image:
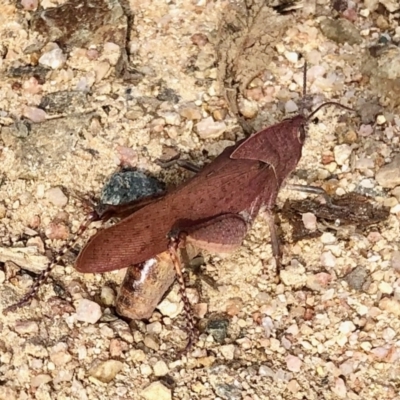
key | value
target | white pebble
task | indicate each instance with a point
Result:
(342, 153)
(380, 119)
(88, 311)
(291, 56)
(54, 59)
(385, 288)
(309, 221)
(291, 106)
(172, 118)
(328, 259)
(346, 327)
(210, 129)
(249, 108)
(293, 363)
(170, 309)
(328, 238)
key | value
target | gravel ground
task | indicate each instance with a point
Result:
(89, 88)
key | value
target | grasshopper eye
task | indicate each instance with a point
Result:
(301, 134)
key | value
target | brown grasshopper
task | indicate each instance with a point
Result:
(213, 210)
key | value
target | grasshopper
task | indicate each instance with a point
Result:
(212, 211)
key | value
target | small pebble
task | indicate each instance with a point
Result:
(357, 277)
(29, 5)
(389, 175)
(228, 351)
(390, 305)
(380, 119)
(342, 153)
(391, 5)
(291, 56)
(54, 59)
(88, 311)
(291, 107)
(328, 238)
(190, 113)
(265, 371)
(293, 363)
(34, 114)
(385, 288)
(248, 108)
(145, 370)
(340, 388)
(319, 281)
(57, 231)
(26, 327)
(151, 342)
(60, 358)
(160, 368)
(200, 309)
(170, 309)
(395, 261)
(292, 277)
(107, 296)
(309, 221)
(347, 327)
(171, 118)
(154, 328)
(210, 129)
(56, 197)
(156, 391)
(116, 347)
(328, 260)
(105, 371)
(40, 379)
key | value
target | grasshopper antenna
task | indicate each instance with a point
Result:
(328, 103)
(302, 107)
(42, 278)
(191, 324)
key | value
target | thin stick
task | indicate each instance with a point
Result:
(276, 248)
(191, 324)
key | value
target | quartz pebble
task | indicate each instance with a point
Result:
(169, 308)
(54, 59)
(342, 153)
(88, 311)
(210, 129)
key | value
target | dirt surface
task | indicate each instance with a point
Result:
(87, 88)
